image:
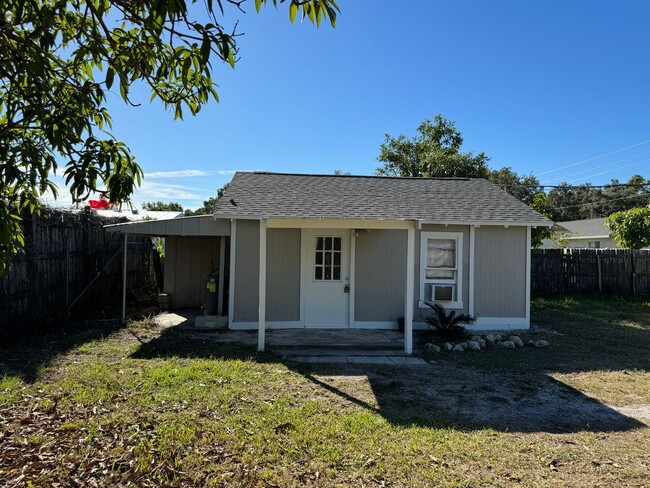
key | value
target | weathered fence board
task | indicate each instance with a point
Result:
(609, 271)
(64, 251)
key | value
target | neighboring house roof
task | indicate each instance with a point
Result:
(586, 229)
(140, 214)
(436, 200)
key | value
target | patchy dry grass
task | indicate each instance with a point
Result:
(146, 406)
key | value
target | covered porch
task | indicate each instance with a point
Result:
(331, 292)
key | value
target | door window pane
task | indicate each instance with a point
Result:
(337, 273)
(327, 262)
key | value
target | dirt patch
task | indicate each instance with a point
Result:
(471, 398)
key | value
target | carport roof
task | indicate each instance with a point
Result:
(201, 225)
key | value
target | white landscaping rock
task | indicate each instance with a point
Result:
(448, 346)
(473, 346)
(541, 343)
(431, 348)
(458, 348)
(482, 343)
(516, 340)
(508, 345)
(490, 339)
(475, 338)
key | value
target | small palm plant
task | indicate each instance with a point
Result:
(448, 324)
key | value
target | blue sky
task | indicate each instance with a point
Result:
(538, 86)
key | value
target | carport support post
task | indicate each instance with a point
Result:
(262, 290)
(124, 266)
(410, 282)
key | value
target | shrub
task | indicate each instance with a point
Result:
(448, 324)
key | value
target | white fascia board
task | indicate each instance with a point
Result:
(237, 217)
(582, 238)
(293, 223)
(477, 223)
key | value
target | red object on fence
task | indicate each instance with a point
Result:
(101, 204)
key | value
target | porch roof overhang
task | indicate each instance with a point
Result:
(197, 226)
(337, 223)
(582, 238)
(293, 223)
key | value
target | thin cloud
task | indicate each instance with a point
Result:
(189, 173)
(180, 173)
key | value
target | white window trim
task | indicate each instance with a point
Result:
(458, 236)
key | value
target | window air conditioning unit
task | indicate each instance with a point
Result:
(442, 293)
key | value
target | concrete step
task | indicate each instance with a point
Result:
(365, 359)
(338, 351)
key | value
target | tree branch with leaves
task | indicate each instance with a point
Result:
(58, 60)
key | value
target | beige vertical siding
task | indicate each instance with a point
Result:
(380, 275)
(422, 313)
(282, 273)
(188, 261)
(500, 271)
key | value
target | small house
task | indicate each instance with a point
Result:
(339, 252)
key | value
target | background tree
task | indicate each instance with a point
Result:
(631, 228)
(524, 188)
(538, 234)
(57, 60)
(208, 205)
(576, 202)
(163, 206)
(433, 152)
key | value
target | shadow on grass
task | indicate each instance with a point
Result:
(26, 358)
(428, 396)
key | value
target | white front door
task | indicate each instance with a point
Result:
(326, 277)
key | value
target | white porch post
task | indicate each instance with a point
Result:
(410, 282)
(472, 246)
(528, 239)
(126, 241)
(262, 290)
(231, 272)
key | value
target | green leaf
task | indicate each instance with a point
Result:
(110, 76)
(293, 10)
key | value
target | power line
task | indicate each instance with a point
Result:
(610, 170)
(599, 166)
(592, 159)
(584, 185)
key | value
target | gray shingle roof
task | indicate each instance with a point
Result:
(276, 195)
(586, 227)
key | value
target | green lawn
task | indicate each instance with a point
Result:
(146, 406)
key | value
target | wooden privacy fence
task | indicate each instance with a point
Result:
(53, 280)
(610, 271)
